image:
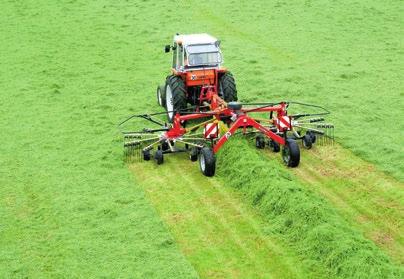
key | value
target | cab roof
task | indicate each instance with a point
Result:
(194, 39)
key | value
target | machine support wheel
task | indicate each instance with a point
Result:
(227, 87)
(312, 136)
(307, 141)
(193, 155)
(274, 146)
(291, 153)
(159, 157)
(146, 155)
(260, 142)
(161, 95)
(176, 96)
(165, 146)
(207, 161)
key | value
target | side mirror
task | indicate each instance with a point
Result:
(217, 43)
(167, 48)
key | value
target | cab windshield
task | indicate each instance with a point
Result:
(199, 55)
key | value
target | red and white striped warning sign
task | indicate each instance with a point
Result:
(211, 131)
(284, 122)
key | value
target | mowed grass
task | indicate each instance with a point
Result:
(309, 223)
(221, 235)
(344, 55)
(68, 205)
(368, 199)
(70, 70)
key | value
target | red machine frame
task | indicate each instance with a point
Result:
(274, 126)
(242, 120)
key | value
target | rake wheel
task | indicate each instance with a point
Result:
(207, 161)
(274, 146)
(193, 155)
(260, 142)
(291, 153)
(146, 155)
(159, 157)
(307, 141)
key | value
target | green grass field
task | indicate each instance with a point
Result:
(70, 207)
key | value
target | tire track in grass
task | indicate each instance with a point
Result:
(221, 235)
(367, 198)
(175, 211)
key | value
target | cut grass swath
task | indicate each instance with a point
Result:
(309, 223)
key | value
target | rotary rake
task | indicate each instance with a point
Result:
(203, 132)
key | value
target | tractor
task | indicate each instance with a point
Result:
(196, 75)
(202, 113)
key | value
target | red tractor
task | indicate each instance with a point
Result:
(203, 95)
(197, 74)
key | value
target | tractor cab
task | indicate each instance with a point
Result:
(195, 51)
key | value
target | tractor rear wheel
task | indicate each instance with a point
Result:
(291, 153)
(227, 87)
(207, 161)
(176, 96)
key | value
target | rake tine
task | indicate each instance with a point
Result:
(130, 153)
(190, 143)
(150, 146)
(137, 142)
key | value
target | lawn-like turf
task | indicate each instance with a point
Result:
(68, 206)
(71, 69)
(345, 55)
(221, 235)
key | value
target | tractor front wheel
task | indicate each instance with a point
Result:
(207, 161)
(291, 153)
(176, 96)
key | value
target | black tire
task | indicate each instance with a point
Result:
(159, 157)
(161, 95)
(227, 88)
(207, 161)
(165, 146)
(260, 142)
(291, 153)
(274, 146)
(176, 96)
(193, 155)
(307, 141)
(312, 135)
(146, 155)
